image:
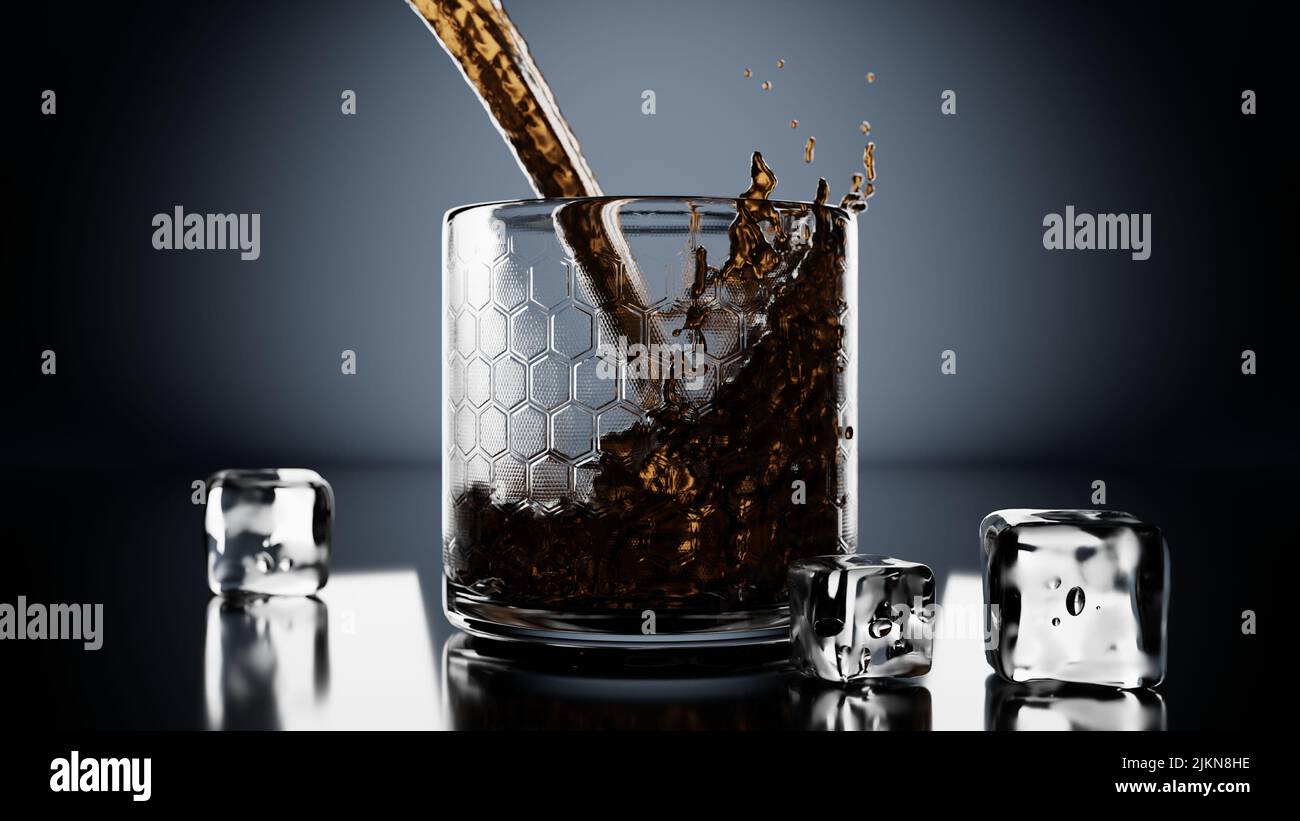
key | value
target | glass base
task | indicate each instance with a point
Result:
(478, 616)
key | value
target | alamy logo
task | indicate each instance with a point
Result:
(180, 231)
(1098, 232)
(653, 361)
(77, 774)
(55, 622)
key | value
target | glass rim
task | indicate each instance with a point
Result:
(456, 211)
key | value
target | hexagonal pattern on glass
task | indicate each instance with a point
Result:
(491, 241)
(573, 430)
(843, 379)
(549, 384)
(571, 331)
(587, 283)
(456, 472)
(478, 285)
(529, 401)
(509, 481)
(478, 472)
(509, 381)
(620, 325)
(510, 282)
(548, 481)
(721, 331)
(643, 393)
(527, 432)
(528, 331)
(456, 288)
(698, 381)
(584, 479)
(463, 425)
(456, 380)
(531, 242)
(466, 334)
(595, 383)
(846, 422)
(493, 333)
(617, 420)
(478, 382)
(492, 431)
(549, 282)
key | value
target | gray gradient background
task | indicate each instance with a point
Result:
(1063, 357)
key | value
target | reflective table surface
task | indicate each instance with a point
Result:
(373, 651)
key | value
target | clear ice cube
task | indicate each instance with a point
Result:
(1075, 596)
(854, 618)
(268, 532)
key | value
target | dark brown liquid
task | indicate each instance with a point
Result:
(494, 58)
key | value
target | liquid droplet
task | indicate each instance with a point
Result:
(1075, 600)
(865, 128)
(823, 191)
(767, 85)
(848, 432)
(871, 76)
(808, 149)
(879, 628)
(264, 563)
(1056, 622)
(286, 564)
(749, 73)
(780, 63)
(794, 123)
(1053, 583)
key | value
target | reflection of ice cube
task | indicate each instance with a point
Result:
(268, 531)
(859, 617)
(1080, 596)
(1070, 707)
(873, 707)
(267, 659)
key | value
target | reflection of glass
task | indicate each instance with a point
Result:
(266, 661)
(1049, 706)
(491, 686)
(819, 706)
(494, 685)
(649, 413)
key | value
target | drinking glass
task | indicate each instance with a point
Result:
(649, 413)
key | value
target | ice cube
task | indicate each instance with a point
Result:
(854, 618)
(268, 532)
(1075, 596)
